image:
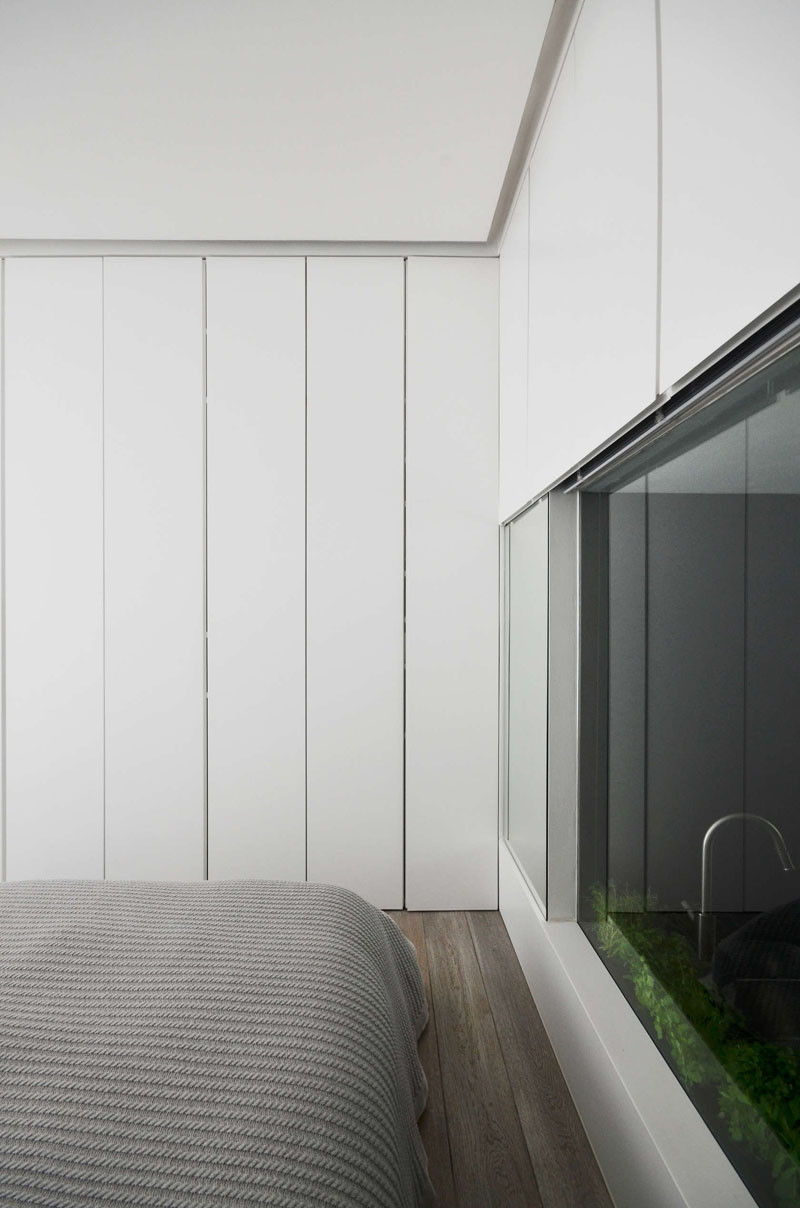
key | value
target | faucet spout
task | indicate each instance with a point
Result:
(787, 863)
(705, 943)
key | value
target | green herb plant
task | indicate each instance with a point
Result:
(757, 1082)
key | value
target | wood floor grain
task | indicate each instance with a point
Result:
(565, 1166)
(491, 1163)
(500, 1128)
(433, 1123)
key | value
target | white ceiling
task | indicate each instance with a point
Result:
(260, 119)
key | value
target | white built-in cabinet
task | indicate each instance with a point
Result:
(53, 567)
(731, 173)
(256, 348)
(251, 557)
(579, 263)
(656, 233)
(594, 242)
(154, 568)
(452, 585)
(355, 574)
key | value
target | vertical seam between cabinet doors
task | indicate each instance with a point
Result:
(659, 192)
(305, 555)
(3, 560)
(205, 569)
(405, 544)
(103, 526)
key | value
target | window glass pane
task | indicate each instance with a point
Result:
(690, 799)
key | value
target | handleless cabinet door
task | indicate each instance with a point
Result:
(154, 562)
(54, 567)
(452, 585)
(730, 116)
(593, 241)
(355, 575)
(256, 567)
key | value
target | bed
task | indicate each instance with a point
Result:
(207, 1044)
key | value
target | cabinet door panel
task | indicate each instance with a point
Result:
(54, 567)
(355, 575)
(452, 585)
(256, 567)
(154, 558)
(593, 242)
(731, 110)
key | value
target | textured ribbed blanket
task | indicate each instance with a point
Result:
(223, 1043)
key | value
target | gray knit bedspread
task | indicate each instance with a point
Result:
(227, 1043)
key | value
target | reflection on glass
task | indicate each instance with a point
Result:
(527, 695)
(688, 884)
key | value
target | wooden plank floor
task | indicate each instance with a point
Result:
(500, 1128)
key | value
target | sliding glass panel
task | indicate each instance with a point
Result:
(690, 790)
(527, 694)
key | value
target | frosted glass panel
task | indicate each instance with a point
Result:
(527, 694)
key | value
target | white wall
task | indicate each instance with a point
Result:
(615, 317)
(269, 519)
(513, 358)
